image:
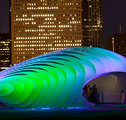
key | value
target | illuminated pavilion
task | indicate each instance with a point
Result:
(56, 79)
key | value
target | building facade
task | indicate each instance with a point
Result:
(5, 56)
(92, 23)
(117, 43)
(41, 26)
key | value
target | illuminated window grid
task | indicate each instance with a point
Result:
(92, 23)
(42, 22)
(4, 51)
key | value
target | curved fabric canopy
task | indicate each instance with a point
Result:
(56, 79)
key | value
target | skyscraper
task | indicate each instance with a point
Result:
(41, 26)
(92, 23)
(5, 56)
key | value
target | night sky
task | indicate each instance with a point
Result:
(114, 15)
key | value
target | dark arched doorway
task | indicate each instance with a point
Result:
(109, 87)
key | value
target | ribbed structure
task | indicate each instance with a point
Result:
(56, 79)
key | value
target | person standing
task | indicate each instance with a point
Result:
(85, 92)
(122, 98)
(94, 94)
(89, 93)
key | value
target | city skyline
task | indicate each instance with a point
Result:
(113, 16)
(62, 58)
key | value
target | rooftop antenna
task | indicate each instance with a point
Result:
(120, 28)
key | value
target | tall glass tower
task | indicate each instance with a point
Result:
(5, 51)
(41, 26)
(92, 23)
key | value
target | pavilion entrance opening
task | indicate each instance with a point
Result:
(107, 88)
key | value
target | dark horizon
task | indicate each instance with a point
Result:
(113, 16)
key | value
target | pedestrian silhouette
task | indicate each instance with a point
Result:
(122, 98)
